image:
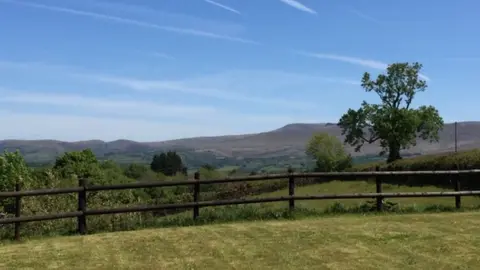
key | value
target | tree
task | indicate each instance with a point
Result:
(13, 170)
(136, 171)
(168, 163)
(328, 153)
(393, 122)
(80, 164)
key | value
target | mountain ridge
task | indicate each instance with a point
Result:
(288, 140)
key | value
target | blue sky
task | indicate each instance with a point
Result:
(151, 70)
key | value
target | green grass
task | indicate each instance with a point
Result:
(417, 241)
(321, 208)
(338, 187)
(227, 168)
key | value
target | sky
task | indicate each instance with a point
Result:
(152, 70)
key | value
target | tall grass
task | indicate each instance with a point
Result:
(211, 215)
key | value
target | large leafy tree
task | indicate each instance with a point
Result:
(393, 122)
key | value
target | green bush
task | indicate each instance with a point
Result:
(465, 160)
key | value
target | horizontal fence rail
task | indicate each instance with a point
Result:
(83, 189)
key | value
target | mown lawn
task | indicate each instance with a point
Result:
(416, 241)
(342, 187)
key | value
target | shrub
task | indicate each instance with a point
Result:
(465, 160)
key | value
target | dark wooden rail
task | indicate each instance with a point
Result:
(83, 188)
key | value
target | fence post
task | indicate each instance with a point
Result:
(18, 211)
(378, 183)
(291, 189)
(458, 198)
(82, 207)
(196, 195)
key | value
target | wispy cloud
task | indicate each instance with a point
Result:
(464, 59)
(115, 118)
(185, 20)
(179, 86)
(35, 65)
(163, 55)
(71, 127)
(107, 105)
(353, 60)
(363, 15)
(223, 6)
(122, 20)
(299, 6)
(266, 87)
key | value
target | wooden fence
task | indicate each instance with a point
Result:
(83, 188)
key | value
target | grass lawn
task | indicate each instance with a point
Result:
(339, 187)
(415, 241)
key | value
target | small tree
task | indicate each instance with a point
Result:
(328, 152)
(13, 170)
(79, 164)
(393, 122)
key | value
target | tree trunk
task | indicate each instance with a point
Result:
(393, 152)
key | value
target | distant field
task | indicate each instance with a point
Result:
(420, 241)
(336, 187)
(227, 168)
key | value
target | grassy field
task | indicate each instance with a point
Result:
(414, 241)
(337, 187)
(227, 168)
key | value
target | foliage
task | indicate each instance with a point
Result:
(208, 167)
(71, 165)
(168, 163)
(465, 160)
(393, 122)
(79, 164)
(136, 171)
(13, 170)
(328, 153)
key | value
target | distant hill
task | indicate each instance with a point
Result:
(288, 141)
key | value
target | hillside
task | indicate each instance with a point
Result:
(288, 141)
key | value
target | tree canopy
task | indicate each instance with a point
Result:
(168, 163)
(80, 164)
(328, 152)
(393, 122)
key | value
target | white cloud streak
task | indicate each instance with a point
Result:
(183, 19)
(107, 105)
(463, 59)
(163, 55)
(364, 16)
(156, 85)
(223, 6)
(233, 85)
(122, 118)
(70, 127)
(121, 20)
(355, 61)
(299, 6)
